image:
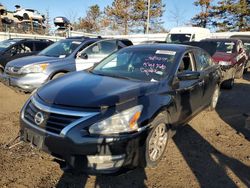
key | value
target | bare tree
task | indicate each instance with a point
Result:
(177, 16)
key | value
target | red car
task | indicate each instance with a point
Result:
(232, 58)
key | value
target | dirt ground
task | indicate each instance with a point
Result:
(213, 150)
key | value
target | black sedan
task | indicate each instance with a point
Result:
(122, 113)
(11, 49)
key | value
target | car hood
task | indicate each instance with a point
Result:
(222, 56)
(20, 62)
(87, 90)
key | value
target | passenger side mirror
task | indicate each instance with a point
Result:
(188, 75)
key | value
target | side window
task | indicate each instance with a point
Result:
(203, 60)
(108, 47)
(25, 47)
(39, 46)
(102, 48)
(187, 63)
(124, 43)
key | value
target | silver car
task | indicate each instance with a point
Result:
(67, 55)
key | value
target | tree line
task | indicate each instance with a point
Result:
(225, 15)
(130, 16)
(123, 17)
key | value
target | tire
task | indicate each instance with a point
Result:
(58, 75)
(245, 70)
(156, 141)
(239, 73)
(26, 16)
(215, 98)
(228, 84)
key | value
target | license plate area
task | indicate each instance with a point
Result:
(34, 138)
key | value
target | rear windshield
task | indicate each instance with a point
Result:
(227, 47)
(178, 38)
(137, 64)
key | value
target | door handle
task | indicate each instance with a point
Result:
(201, 83)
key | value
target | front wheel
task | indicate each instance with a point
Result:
(156, 142)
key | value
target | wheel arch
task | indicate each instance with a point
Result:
(57, 72)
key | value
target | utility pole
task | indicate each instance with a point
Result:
(147, 29)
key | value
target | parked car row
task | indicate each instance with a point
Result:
(121, 103)
(71, 54)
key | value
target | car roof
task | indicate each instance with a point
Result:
(222, 39)
(161, 46)
(26, 39)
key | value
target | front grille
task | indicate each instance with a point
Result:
(52, 122)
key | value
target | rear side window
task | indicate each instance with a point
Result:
(39, 46)
(108, 47)
(124, 43)
(203, 60)
(24, 47)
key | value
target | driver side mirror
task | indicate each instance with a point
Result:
(82, 56)
(188, 75)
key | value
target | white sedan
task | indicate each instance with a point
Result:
(27, 14)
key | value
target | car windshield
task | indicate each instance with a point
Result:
(178, 38)
(61, 48)
(137, 64)
(226, 47)
(7, 43)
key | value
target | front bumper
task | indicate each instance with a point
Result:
(28, 82)
(87, 153)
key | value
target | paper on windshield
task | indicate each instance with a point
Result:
(165, 52)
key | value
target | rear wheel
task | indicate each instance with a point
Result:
(156, 142)
(26, 16)
(228, 84)
(58, 75)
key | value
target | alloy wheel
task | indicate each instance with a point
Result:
(158, 142)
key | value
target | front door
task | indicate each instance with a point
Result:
(188, 92)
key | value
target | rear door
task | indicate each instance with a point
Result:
(95, 53)
(208, 74)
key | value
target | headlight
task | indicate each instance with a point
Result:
(122, 122)
(225, 63)
(33, 68)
